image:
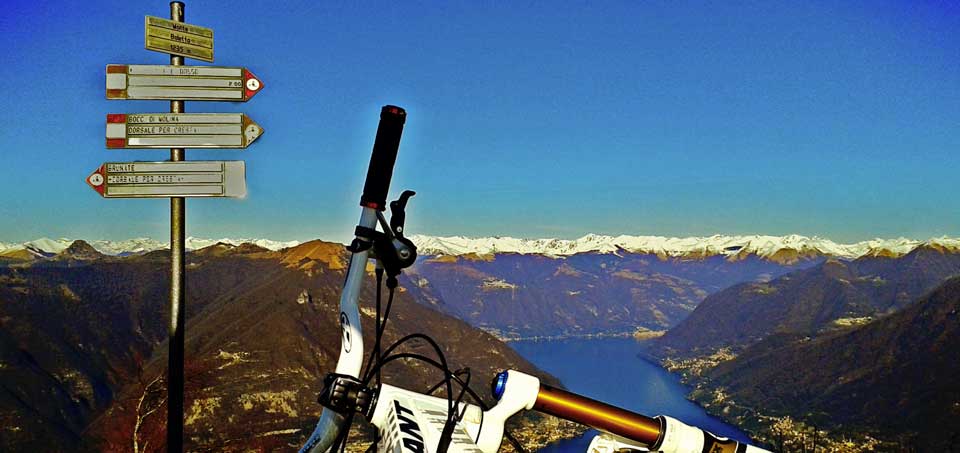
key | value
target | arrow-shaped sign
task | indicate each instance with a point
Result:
(188, 83)
(170, 179)
(181, 130)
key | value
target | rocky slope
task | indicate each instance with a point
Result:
(893, 377)
(71, 337)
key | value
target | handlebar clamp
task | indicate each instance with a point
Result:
(345, 394)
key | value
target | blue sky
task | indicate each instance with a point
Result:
(530, 119)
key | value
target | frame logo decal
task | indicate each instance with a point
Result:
(345, 330)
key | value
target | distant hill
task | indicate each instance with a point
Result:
(894, 376)
(81, 345)
(79, 251)
(809, 302)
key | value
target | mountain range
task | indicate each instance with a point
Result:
(517, 288)
(731, 246)
(529, 295)
(778, 248)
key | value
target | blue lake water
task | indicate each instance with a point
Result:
(609, 370)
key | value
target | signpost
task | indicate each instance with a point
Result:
(189, 83)
(170, 179)
(177, 38)
(177, 178)
(172, 130)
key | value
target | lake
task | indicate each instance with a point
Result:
(609, 370)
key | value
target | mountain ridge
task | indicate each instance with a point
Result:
(809, 301)
(136, 246)
(786, 249)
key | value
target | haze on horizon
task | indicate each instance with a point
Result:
(661, 118)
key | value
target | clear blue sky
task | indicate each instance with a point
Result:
(531, 119)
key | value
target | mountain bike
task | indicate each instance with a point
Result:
(420, 423)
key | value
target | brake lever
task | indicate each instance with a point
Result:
(393, 251)
(398, 212)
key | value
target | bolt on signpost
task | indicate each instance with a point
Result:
(176, 130)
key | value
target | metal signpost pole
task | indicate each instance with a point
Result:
(177, 285)
(177, 178)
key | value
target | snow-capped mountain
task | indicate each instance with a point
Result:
(136, 245)
(47, 245)
(127, 247)
(198, 243)
(764, 246)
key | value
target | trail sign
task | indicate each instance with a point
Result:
(170, 179)
(181, 130)
(188, 83)
(178, 38)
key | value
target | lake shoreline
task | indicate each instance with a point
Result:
(598, 372)
(639, 335)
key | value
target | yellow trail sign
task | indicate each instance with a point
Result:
(178, 38)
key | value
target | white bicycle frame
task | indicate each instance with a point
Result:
(404, 417)
(411, 421)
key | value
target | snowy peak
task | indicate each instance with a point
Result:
(48, 245)
(785, 249)
(198, 243)
(134, 246)
(23, 254)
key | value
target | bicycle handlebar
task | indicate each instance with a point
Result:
(374, 198)
(598, 415)
(384, 156)
(661, 433)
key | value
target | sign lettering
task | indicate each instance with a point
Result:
(181, 130)
(167, 36)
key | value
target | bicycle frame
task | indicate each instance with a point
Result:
(351, 339)
(411, 421)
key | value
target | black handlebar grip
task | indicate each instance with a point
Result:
(384, 156)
